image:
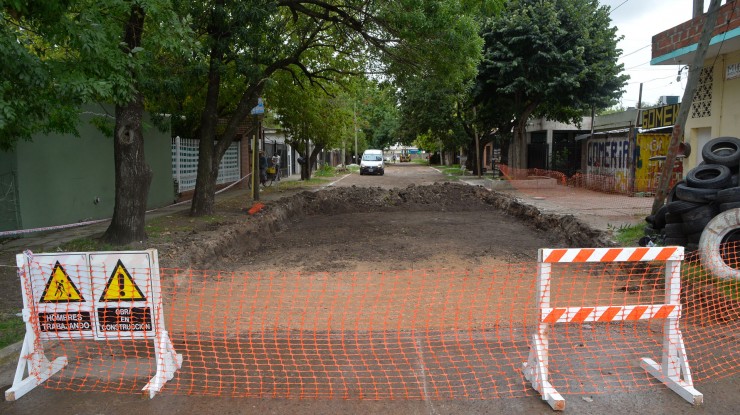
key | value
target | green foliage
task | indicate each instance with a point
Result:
(325, 170)
(60, 54)
(321, 116)
(552, 58)
(628, 235)
(379, 115)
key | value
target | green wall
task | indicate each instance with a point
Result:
(9, 212)
(59, 177)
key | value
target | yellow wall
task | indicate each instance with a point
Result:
(725, 117)
(647, 172)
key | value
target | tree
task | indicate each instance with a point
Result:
(552, 58)
(246, 43)
(314, 117)
(61, 54)
(378, 114)
(46, 75)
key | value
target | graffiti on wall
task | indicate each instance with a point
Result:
(651, 148)
(609, 156)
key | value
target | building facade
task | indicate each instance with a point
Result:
(715, 108)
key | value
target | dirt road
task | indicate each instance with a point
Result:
(370, 224)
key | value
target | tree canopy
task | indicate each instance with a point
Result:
(552, 58)
(433, 71)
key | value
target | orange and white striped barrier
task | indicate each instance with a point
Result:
(673, 370)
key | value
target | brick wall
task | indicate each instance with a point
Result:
(688, 33)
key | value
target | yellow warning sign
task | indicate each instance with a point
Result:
(59, 288)
(121, 286)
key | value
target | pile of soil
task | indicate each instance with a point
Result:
(394, 225)
(442, 224)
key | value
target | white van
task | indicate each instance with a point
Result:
(372, 162)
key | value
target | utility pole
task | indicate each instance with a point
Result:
(633, 142)
(683, 113)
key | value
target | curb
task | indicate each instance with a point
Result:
(11, 352)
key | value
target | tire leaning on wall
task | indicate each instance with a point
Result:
(714, 234)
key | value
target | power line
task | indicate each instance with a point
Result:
(635, 51)
(620, 5)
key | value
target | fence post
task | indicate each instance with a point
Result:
(177, 163)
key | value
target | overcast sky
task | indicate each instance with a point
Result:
(637, 21)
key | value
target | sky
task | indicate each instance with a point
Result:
(637, 21)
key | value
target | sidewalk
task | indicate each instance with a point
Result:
(602, 211)
(51, 239)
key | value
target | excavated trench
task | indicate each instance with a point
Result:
(395, 225)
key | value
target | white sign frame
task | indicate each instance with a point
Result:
(33, 367)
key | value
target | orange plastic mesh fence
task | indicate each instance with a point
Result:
(531, 181)
(438, 334)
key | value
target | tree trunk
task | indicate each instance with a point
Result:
(133, 176)
(205, 184)
(519, 141)
(517, 144)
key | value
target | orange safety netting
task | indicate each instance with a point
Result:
(537, 180)
(415, 334)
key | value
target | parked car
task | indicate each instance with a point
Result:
(372, 162)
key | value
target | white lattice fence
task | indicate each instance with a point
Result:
(185, 163)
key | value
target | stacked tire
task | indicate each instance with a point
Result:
(710, 188)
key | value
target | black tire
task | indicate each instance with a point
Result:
(731, 194)
(674, 230)
(680, 206)
(722, 150)
(650, 219)
(723, 207)
(659, 219)
(694, 238)
(675, 241)
(672, 193)
(673, 218)
(702, 212)
(709, 176)
(694, 226)
(695, 194)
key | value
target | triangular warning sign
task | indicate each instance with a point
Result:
(121, 286)
(59, 288)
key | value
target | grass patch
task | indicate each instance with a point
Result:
(627, 235)
(325, 171)
(453, 172)
(85, 245)
(12, 330)
(299, 184)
